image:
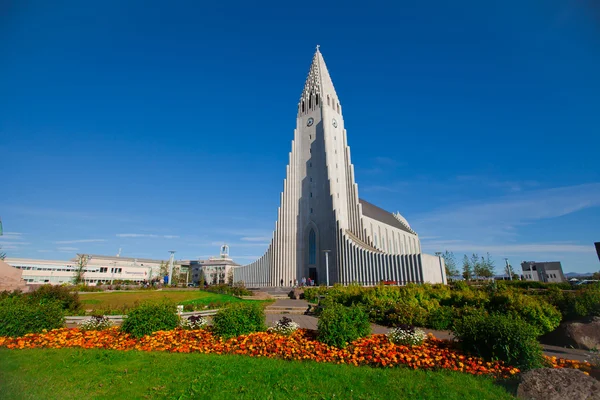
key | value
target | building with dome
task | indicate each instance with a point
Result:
(324, 231)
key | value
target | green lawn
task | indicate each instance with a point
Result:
(126, 299)
(104, 374)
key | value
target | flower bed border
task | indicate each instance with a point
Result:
(375, 350)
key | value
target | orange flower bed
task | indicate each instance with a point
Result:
(375, 350)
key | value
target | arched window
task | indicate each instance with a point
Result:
(317, 100)
(310, 102)
(328, 101)
(302, 105)
(375, 240)
(312, 247)
(338, 104)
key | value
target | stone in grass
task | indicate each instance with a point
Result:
(558, 384)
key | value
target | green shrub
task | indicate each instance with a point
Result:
(534, 310)
(340, 325)
(441, 318)
(502, 337)
(580, 304)
(19, 316)
(150, 317)
(239, 319)
(238, 289)
(68, 300)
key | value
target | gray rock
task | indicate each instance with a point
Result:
(558, 384)
(586, 335)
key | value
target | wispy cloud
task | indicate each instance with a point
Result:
(241, 244)
(69, 249)
(501, 216)
(79, 241)
(507, 249)
(256, 238)
(145, 235)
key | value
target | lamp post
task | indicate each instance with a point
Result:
(171, 266)
(327, 265)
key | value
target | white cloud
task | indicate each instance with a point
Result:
(145, 235)
(506, 249)
(69, 249)
(255, 238)
(500, 217)
(79, 241)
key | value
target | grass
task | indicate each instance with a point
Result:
(127, 299)
(105, 374)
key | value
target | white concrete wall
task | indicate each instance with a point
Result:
(434, 269)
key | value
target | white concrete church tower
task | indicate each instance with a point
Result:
(320, 210)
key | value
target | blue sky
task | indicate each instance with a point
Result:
(156, 126)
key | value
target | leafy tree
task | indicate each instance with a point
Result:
(230, 277)
(467, 268)
(596, 275)
(163, 269)
(476, 265)
(487, 266)
(450, 261)
(82, 260)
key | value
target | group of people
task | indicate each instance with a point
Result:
(304, 282)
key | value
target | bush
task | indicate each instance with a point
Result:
(407, 335)
(95, 323)
(580, 304)
(502, 337)
(68, 300)
(239, 319)
(441, 318)
(285, 326)
(534, 310)
(19, 316)
(147, 318)
(339, 325)
(237, 289)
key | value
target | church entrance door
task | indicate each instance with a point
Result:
(312, 274)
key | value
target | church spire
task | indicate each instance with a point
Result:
(318, 86)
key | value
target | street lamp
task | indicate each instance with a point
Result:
(327, 265)
(171, 266)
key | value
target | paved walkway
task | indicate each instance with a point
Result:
(310, 322)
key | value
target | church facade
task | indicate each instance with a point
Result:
(324, 231)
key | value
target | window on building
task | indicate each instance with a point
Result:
(375, 240)
(311, 210)
(328, 103)
(310, 194)
(312, 247)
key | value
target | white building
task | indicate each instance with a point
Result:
(323, 230)
(99, 269)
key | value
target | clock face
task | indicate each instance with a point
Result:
(310, 122)
(334, 122)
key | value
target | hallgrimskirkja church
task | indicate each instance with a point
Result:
(324, 231)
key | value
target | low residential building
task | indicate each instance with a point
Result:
(548, 271)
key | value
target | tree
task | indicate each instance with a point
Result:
(230, 277)
(163, 269)
(82, 260)
(487, 266)
(450, 261)
(476, 265)
(467, 268)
